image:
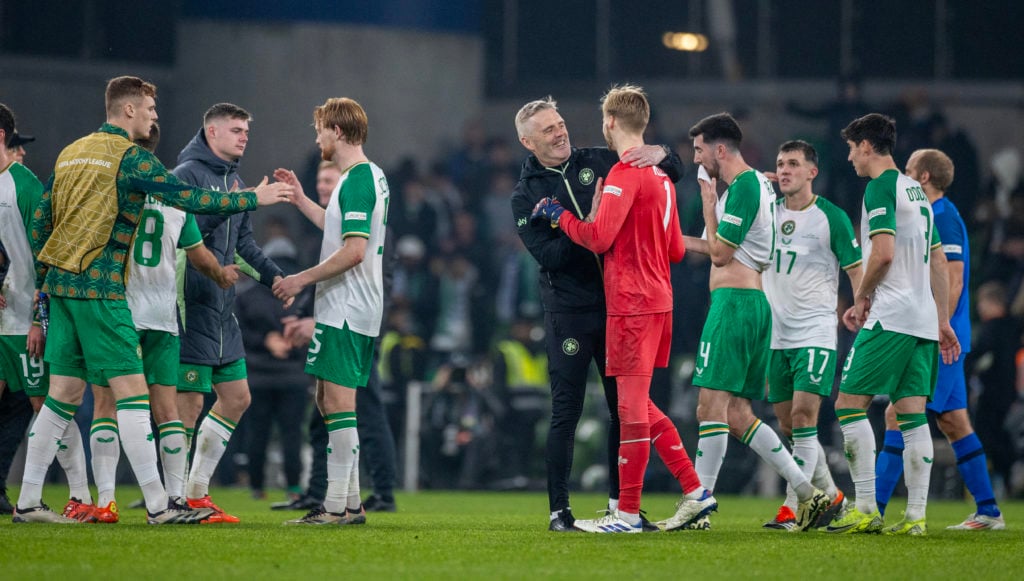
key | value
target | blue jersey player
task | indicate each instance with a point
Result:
(934, 170)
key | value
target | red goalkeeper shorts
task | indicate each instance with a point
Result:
(638, 343)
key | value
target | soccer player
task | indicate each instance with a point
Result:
(299, 330)
(571, 285)
(814, 240)
(734, 345)
(934, 171)
(81, 233)
(212, 354)
(637, 230)
(151, 291)
(22, 341)
(349, 297)
(902, 308)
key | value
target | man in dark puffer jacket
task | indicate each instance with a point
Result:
(212, 355)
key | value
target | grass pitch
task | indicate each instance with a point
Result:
(476, 535)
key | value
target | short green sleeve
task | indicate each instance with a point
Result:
(741, 209)
(190, 235)
(841, 237)
(880, 204)
(29, 191)
(357, 198)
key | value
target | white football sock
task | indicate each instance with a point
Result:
(211, 441)
(918, 453)
(71, 456)
(354, 502)
(105, 444)
(342, 450)
(823, 475)
(173, 457)
(711, 448)
(859, 446)
(133, 423)
(763, 440)
(46, 431)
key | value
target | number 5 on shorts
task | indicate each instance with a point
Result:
(314, 345)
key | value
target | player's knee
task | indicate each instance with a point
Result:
(799, 418)
(161, 415)
(954, 425)
(238, 402)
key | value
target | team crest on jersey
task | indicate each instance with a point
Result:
(788, 227)
(191, 376)
(570, 346)
(586, 176)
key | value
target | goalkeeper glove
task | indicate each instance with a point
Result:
(548, 209)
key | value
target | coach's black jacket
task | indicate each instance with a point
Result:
(571, 280)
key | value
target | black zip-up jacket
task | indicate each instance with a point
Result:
(570, 275)
(209, 333)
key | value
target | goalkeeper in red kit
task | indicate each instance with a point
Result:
(635, 225)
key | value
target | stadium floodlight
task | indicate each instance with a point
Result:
(685, 41)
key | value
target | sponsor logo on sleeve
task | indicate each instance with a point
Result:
(613, 191)
(732, 219)
(876, 213)
(355, 215)
(952, 249)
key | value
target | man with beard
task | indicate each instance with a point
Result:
(734, 346)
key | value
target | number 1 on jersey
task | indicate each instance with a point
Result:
(778, 261)
(667, 218)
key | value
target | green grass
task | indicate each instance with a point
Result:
(471, 535)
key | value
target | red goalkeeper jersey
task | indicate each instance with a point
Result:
(637, 230)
